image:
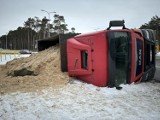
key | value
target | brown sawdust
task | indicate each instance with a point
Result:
(45, 64)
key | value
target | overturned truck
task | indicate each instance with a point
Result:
(110, 57)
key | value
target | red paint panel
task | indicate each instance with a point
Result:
(96, 45)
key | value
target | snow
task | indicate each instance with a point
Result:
(158, 54)
(79, 101)
(4, 60)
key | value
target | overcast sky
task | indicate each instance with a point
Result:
(84, 15)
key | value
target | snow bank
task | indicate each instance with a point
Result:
(158, 54)
(84, 101)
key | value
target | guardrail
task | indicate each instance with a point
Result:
(7, 55)
(4, 57)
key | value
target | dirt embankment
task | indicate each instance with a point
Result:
(36, 72)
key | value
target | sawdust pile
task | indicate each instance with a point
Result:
(36, 64)
(36, 72)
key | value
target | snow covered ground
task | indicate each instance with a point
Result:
(79, 101)
(158, 55)
(5, 58)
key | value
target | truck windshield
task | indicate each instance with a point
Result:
(119, 55)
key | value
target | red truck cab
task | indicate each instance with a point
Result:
(112, 57)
